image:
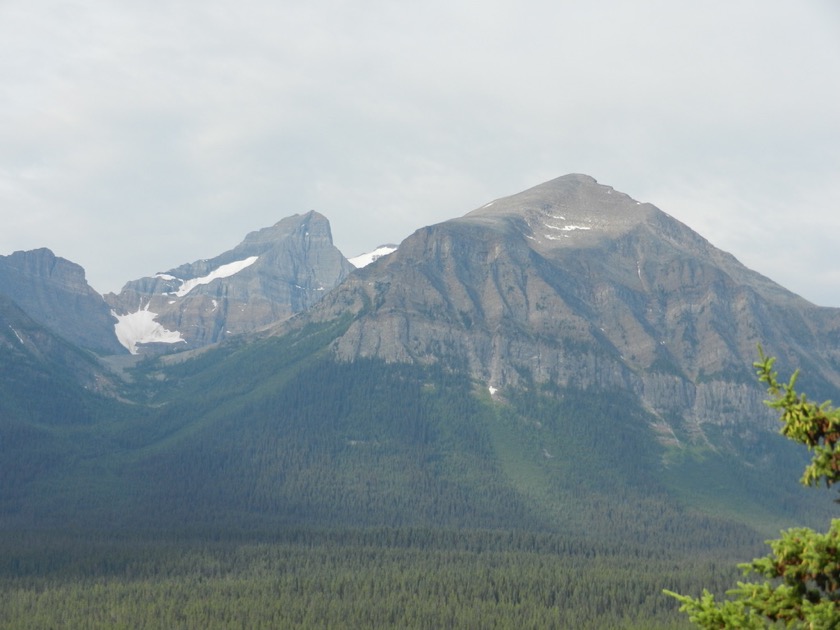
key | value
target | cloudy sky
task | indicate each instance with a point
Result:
(136, 136)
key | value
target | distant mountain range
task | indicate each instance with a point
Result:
(529, 362)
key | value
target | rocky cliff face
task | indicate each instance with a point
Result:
(54, 292)
(575, 284)
(273, 274)
(40, 363)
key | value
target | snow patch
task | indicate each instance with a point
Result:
(363, 260)
(564, 228)
(492, 390)
(165, 276)
(215, 306)
(141, 327)
(16, 334)
(569, 228)
(225, 271)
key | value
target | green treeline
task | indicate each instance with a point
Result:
(386, 578)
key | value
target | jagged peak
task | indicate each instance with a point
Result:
(41, 255)
(44, 263)
(39, 251)
(272, 274)
(287, 227)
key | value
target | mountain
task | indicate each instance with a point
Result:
(552, 392)
(574, 284)
(566, 359)
(273, 274)
(54, 292)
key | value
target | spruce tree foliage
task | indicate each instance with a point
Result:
(802, 574)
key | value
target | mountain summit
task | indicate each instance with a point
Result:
(273, 274)
(55, 293)
(574, 284)
(570, 211)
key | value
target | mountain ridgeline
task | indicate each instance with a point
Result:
(562, 360)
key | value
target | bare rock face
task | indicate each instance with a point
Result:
(54, 292)
(37, 361)
(575, 284)
(273, 274)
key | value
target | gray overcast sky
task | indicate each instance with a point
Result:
(136, 136)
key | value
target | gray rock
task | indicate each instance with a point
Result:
(273, 274)
(36, 357)
(54, 292)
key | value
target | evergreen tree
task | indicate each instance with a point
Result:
(802, 574)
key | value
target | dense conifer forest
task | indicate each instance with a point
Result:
(266, 485)
(382, 578)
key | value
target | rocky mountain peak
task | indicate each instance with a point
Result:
(575, 284)
(55, 293)
(43, 264)
(569, 211)
(308, 227)
(272, 274)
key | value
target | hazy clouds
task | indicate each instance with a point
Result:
(138, 136)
